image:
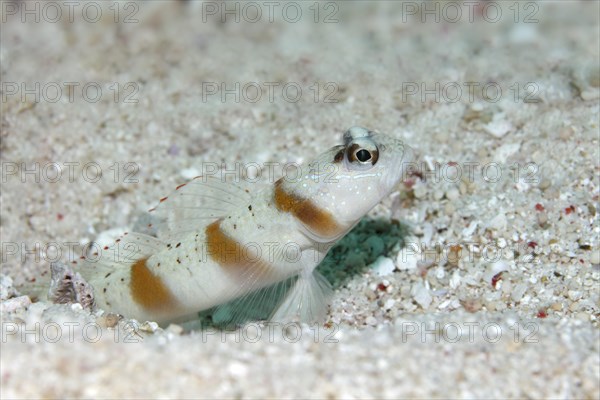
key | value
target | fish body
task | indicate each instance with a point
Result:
(222, 241)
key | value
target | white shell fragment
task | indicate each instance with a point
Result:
(383, 266)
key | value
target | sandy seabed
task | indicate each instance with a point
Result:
(495, 293)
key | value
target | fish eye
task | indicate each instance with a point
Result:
(362, 155)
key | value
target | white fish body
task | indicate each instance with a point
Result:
(224, 242)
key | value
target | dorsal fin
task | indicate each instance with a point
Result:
(197, 203)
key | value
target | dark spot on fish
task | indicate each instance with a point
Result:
(339, 156)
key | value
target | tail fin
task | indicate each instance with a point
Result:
(74, 283)
(67, 286)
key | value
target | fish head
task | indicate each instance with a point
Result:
(348, 180)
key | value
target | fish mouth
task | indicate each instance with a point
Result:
(400, 167)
